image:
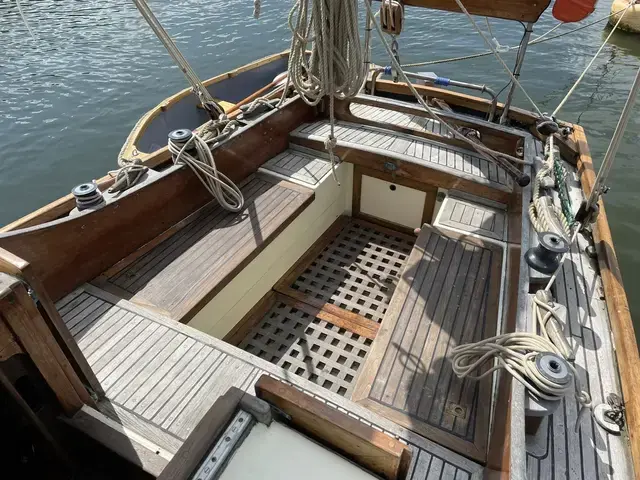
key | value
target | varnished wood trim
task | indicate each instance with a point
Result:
(28, 327)
(74, 362)
(373, 450)
(330, 313)
(91, 242)
(522, 10)
(624, 336)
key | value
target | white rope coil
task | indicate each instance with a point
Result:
(516, 353)
(546, 216)
(204, 166)
(335, 67)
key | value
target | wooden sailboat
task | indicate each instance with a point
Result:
(155, 315)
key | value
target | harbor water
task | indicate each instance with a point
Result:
(74, 82)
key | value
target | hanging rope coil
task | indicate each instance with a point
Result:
(335, 67)
(544, 215)
(196, 154)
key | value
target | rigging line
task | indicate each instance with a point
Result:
(485, 152)
(535, 41)
(497, 55)
(24, 19)
(581, 77)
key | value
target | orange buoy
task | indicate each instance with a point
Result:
(573, 10)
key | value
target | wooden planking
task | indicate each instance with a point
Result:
(401, 119)
(463, 213)
(303, 167)
(590, 452)
(375, 451)
(410, 148)
(231, 367)
(180, 274)
(447, 296)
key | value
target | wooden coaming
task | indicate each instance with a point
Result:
(87, 244)
(374, 450)
(448, 295)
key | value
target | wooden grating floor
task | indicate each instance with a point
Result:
(448, 296)
(321, 323)
(308, 346)
(355, 266)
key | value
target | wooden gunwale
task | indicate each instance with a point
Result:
(624, 336)
(65, 204)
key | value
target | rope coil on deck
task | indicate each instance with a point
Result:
(196, 153)
(516, 353)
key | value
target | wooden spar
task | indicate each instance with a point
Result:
(617, 305)
(522, 10)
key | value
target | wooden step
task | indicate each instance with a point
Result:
(448, 295)
(180, 271)
(473, 215)
(298, 164)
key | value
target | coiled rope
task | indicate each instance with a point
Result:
(335, 67)
(197, 155)
(545, 217)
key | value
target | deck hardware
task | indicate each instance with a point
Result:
(180, 136)
(87, 195)
(456, 410)
(391, 16)
(547, 126)
(610, 415)
(553, 367)
(260, 409)
(221, 453)
(390, 166)
(545, 257)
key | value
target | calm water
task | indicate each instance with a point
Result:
(69, 97)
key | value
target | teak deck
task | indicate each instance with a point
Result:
(409, 148)
(161, 377)
(448, 295)
(179, 274)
